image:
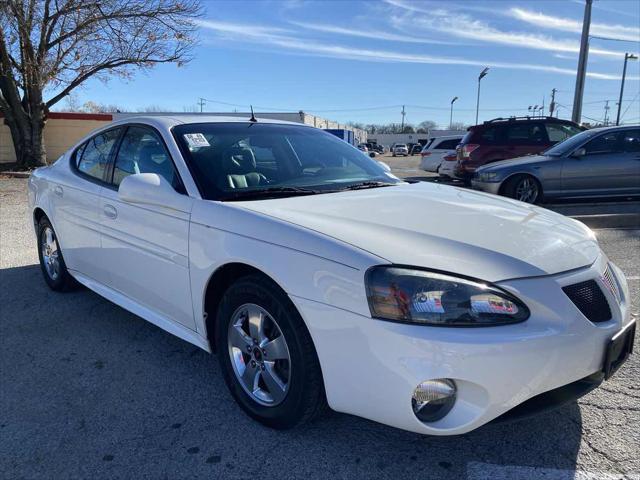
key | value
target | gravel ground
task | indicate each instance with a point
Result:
(88, 390)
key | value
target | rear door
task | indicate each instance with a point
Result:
(526, 137)
(611, 165)
(145, 247)
(77, 203)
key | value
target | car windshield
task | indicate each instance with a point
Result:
(247, 161)
(569, 145)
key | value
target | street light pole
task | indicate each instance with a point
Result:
(576, 115)
(627, 56)
(483, 73)
(451, 115)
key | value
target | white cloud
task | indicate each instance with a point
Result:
(568, 25)
(264, 36)
(374, 34)
(461, 25)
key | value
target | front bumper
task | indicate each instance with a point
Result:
(489, 187)
(371, 367)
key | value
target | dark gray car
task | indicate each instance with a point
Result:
(598, 162)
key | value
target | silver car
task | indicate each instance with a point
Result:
(598, 162)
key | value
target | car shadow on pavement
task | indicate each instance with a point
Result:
(90, 390)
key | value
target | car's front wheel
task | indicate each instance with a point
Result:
(267, 356)
(524, 188)
(51, 260)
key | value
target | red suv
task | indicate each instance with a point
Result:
(504, 138)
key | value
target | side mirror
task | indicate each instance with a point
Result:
(152, 189)
(373, 154)
(386, 167)
(581, 152)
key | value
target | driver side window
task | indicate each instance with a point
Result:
(141, 151)
(605, 143)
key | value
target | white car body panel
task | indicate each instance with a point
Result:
(421, 224)
(158, 265)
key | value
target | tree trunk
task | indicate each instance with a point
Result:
(28, 140)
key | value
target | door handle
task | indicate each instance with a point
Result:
(110, 211)
(58, 191)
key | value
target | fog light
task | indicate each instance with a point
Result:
(433, 399)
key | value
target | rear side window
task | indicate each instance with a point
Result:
(558, 132)
(631, 141)
(142, 151)
(490, 135)
(93, 157)
(447, 144)
(526, 134)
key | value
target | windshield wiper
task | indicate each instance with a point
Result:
(270, 192)
(368, 184)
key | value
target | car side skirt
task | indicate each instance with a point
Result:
(142, 311)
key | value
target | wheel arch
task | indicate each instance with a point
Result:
(221, 278)
(513, 175)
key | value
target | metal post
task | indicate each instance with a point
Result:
(627, 56)
(576, 116)
(402, 125)
(552, 105)
(482, 74)
(451, 114)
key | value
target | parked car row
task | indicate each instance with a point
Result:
(531, 159)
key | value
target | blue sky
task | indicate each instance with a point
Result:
(360, 60)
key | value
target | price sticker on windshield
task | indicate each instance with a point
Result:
(196, 140)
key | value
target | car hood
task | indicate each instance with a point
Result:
(443, 228)
(518, 161)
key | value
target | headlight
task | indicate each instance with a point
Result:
(429, 298)
(488, 176)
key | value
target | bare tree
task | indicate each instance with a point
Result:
(53, 46)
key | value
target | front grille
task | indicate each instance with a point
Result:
(590, 300)
(611, 283)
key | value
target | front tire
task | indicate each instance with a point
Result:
(524, 188)
(52, 263)
(267, 356)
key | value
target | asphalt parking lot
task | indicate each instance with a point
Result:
(88, 390)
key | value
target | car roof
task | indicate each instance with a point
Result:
(169, 121)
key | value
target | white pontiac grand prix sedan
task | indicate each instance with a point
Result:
(320, 278)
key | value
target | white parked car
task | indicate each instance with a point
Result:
(320, 278)
(448, 166)
(436, 149)
(400, 149)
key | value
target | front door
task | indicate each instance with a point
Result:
(611, 165)
(145, 247)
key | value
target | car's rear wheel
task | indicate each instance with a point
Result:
(267, 356)
(51, 260)
(524, 188)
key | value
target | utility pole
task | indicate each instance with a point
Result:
(402, 125)
(552, 105)
(201, 102)
(627, 56)
(451, 114)
(606, 113)
(483, 73)
(576, 115)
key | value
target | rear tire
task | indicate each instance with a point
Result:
(524, 188)
(251, 305)
(52, 262)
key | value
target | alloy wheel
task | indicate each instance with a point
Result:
(50, 253)
(259, 355)
(527, 190)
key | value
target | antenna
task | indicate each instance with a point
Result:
(253, 117)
